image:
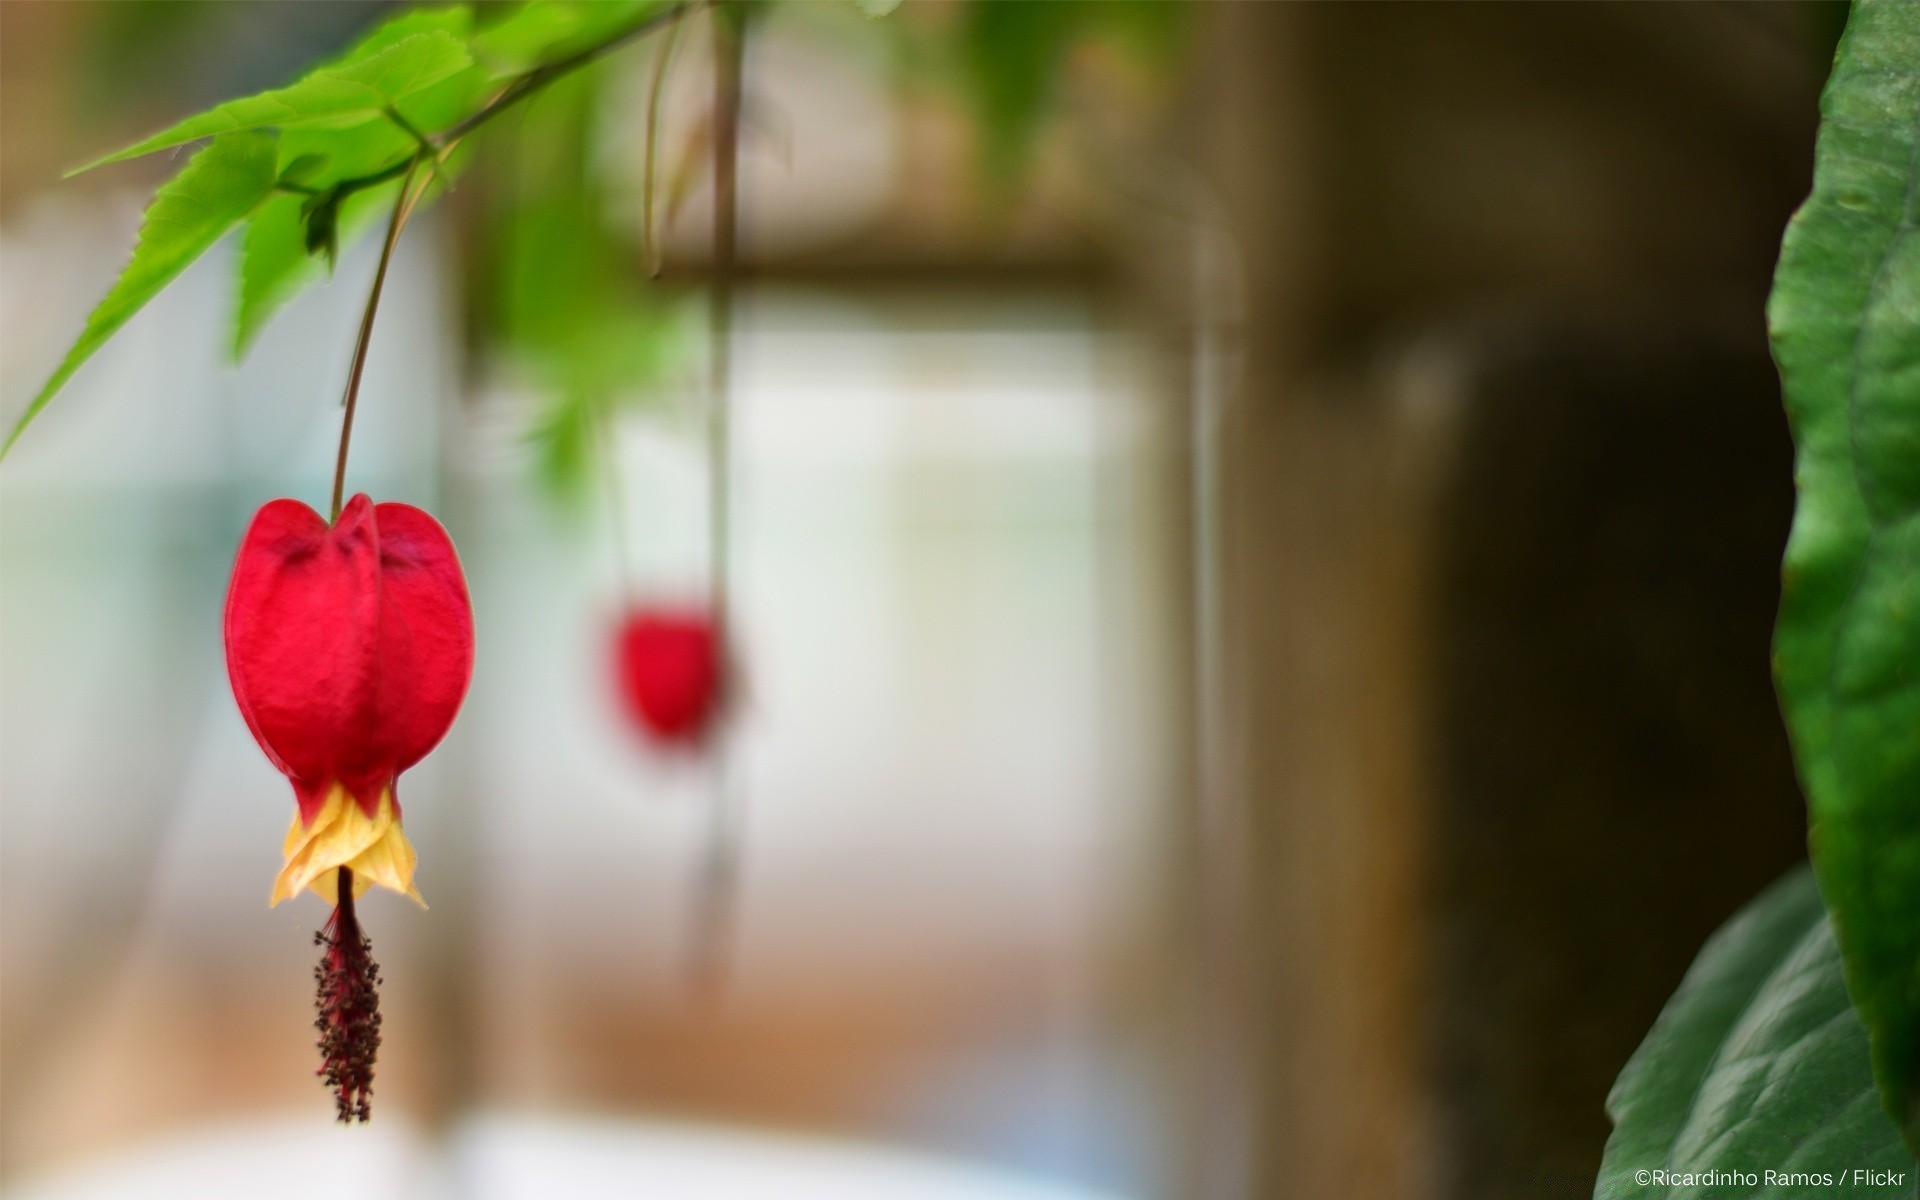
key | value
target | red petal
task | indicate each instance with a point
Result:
(670, 672)
(301, 614)
(349, 648)
(426, 636)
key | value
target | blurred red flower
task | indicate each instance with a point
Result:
(672, 673)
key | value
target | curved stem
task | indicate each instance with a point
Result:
(606, 441)
(717, 899)
(649, 234)
(728, 52)
(402, 205)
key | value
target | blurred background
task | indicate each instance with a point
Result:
(1254, 537)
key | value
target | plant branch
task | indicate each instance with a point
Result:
(432, 151)
(541, 76)
(402, 206)
(439, 145)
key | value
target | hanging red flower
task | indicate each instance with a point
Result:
(349, 648)
(672, 670)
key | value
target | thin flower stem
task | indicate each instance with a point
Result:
(432, 152)
(649, 233)
(717, 899)
(347, 996)
(607, 440)
(728, 57)
(343, 896)
(402, 206)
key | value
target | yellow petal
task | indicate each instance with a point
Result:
(341, 835)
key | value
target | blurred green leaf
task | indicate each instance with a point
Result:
(1843, 315)
(1757, 1064)
(1014, 49)
(876, 8)
(217, 188)
(571, 309)
(358, 89)
(545, 31)
(1155, 32)
(563, 437)
(582, 381)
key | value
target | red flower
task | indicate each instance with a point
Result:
(349, 648)
(671, 673)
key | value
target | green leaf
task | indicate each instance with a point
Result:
(876, 8)
(1845, 322)
(275, 262)
(1757, 1064)
(1014, 48)
(454, 20)
(356, 90)
(545, 31)
(217, 188)
(573, 315)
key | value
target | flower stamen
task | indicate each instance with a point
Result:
(348, 999)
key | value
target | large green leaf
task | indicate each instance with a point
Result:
(275, 262)
(1845, 322)
(1756, 1079)
(277, 257)
(360, 88)
(454, 20)
(217, 188)
(544, 31)
(280, 255)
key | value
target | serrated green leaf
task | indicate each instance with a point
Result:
(217, 188)
(1845, 322)
(355, 91)
(1757, 1064)
(273, 265)
(545, 31)
(274, 261)
(454, 20)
